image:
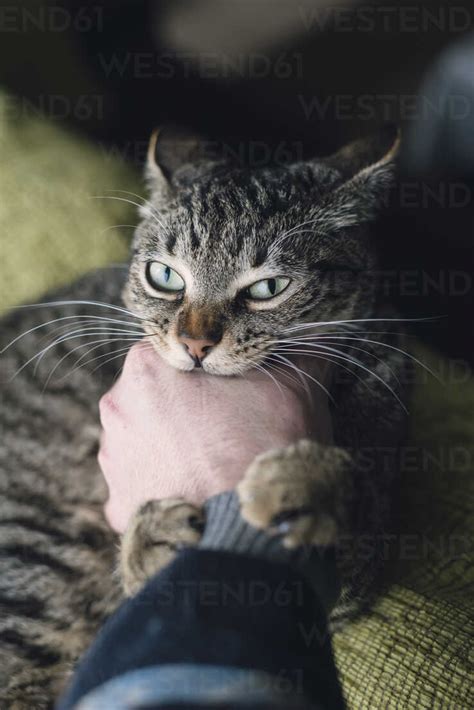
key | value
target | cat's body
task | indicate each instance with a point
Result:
(57, 582)
(56, 552)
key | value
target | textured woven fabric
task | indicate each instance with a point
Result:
(414, 649)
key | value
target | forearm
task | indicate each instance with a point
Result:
(253, 627)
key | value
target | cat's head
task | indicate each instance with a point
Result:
(227, 259)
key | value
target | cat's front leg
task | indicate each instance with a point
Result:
(156, 532)
(302, 491)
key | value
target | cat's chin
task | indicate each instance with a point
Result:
(211, 369)
(215, 369)
(224, 369)
(181, 364)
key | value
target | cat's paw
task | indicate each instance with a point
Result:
(298, 491)
(157, 531)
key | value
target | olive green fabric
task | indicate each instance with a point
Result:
(413, 650)
(56, 211)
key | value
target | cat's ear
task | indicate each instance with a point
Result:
(169, 149)
(368, 171)
(368, 155)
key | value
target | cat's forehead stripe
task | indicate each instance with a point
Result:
(171, 241)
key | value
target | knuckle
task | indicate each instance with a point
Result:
(107, 406)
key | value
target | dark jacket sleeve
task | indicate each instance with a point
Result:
(213, 608)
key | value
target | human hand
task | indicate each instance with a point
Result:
(168, 433)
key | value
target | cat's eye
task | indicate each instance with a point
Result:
(267, 288)
(163, 278)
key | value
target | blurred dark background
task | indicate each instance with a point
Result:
(277, 80)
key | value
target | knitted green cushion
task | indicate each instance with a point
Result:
(413, 649)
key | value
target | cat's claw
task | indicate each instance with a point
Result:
(293, 492)
(157, 531)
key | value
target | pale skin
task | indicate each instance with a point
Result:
(169, 434)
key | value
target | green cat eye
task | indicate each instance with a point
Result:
(163, 278)
(267, 288)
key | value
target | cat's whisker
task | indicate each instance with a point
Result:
(84, 325)
(96, 343)
(94, 330)
(57, 320)
(326, 358)
(298, 379)
(144, 200)
(117, 226)
(405, 353)
(260, 367)
(320, 324)
(316, 351)
(88, 321)
(290, 232)
(97, 304)
(317, 337)
(342, 334)
(339, 355)
(145, 204)
(279, 368)
(410, 356)
(289, 348)
(40, 354)
(125, 349)
(106, 328)
(118, 353)
(292, 365)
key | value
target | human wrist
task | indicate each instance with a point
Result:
(226, 530)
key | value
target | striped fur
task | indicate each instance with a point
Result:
(57, 556)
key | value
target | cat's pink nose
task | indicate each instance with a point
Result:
(198, 348)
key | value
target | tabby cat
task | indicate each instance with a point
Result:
(231, 268)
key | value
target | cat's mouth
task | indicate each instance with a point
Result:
(197, 354)
(219, 361)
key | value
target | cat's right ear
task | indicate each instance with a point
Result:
(169, 149)
(153, 172)
(156, 176)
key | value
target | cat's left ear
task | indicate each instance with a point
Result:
(368, 170)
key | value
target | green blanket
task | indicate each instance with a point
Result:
(413, 650)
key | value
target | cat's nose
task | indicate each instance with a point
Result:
(197, 348)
